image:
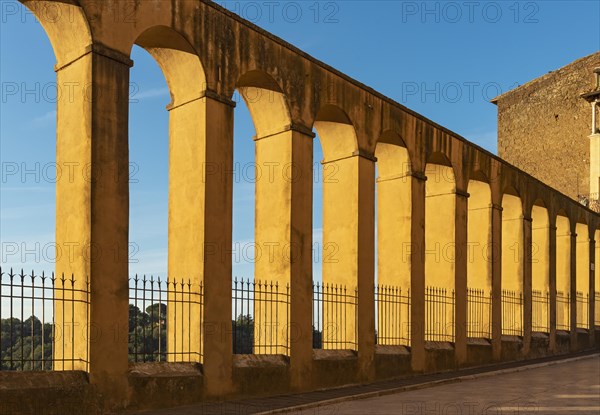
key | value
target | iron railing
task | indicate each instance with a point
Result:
(479, 314)
(439, 314)
(597, 308)
(512, 313)
(165, 320)
(43, 318)
(563, 311)
(260, 317)
(540, 311)
(392, 314)
(335, 317)
(582, 302)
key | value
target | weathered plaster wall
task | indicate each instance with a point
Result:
(543, 127)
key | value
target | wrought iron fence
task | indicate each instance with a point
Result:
(479, 314)
(165, 320)
(512, 313)
(439, 314)
(335, 317)
(582, 302)
(540, 311)
(43, 319)
(392, 313)
(261, 317)
(563, 311)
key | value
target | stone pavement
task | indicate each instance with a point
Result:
(564, 387)
(567, 388)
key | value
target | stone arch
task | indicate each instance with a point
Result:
(65, 24)
(186, 81)
(178, 60)
(266, 102)
(540, 266)
(67, 29)
(348, 202)
(440, 245)
(336, 133)
(276, 146)
(479, 264)
(394, 207)
(512, 262)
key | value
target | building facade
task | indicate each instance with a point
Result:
(539, 121)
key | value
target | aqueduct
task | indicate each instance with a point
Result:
(450, 214)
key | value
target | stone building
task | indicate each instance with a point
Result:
(544, 129)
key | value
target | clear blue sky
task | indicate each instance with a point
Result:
(442, 59)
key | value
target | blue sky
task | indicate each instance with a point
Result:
(442, 59)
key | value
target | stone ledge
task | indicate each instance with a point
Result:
(321, 354)
(165, 369)
(42, 380)
(479, 341)
(260, 360)
(512, 339)
(432, 345)
(539, 335)
(392, 350)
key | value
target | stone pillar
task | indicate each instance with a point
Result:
(460, 277)
(417, 268)
(92, 218)
(349, 253)
(552, 286)
(496, 255)
(283, 236)
(573, 289)
(200, 227)
(527, 283)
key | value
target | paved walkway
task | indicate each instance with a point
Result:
(571, 387)
(567, 388)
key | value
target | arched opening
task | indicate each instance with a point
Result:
(440, 248)
(479, 264)
(393, 208)
(167, 277)
(563, 273)
(512, 263)
(30, 176)
(582, 279)
(540, 264)
(262, 216)
(336, 299)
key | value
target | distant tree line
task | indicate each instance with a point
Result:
(31, 343)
